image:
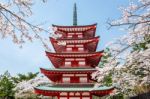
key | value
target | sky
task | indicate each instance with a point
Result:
(59, 12)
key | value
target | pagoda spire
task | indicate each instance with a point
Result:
(75, 15)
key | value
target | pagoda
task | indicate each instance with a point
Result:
(74, 61)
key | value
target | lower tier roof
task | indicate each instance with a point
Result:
(56, 90)
(73, 88)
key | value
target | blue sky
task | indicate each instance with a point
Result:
(60, 12)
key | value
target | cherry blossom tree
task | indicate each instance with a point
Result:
(25, 89)
(129, 64)
(14, 22)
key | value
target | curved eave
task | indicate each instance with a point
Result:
(59, 26)
(45, 93)
(92, 58)
(66, 71)
(68, 29)
(101, 91)
(71, 55)
(76, 39)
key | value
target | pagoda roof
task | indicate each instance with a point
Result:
(72, 88)
(67, 70)
(92, 59)
(77, 26)
(90, 44)
(87, 30)
(76, 40)
(56, 74)
(100, 91)
(77, 55)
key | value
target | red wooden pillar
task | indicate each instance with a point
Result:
(80, 95)
(67, 95)
(58, 97)
(90, 96)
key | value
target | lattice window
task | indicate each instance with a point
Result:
(83, 80)
(66, 79)
(85, 94)
(63, 93)
(74, 98)
(67, 63)
(63, 98)
(69, 49)
(69, 36)
(77, 94)
(71, 93)
(86, 98)
(80, 49)
(82, 63)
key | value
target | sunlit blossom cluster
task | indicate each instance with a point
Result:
(26, 88)
(14, 23)
(129, 68)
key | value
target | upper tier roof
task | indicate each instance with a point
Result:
(78, 26)
(87, 30)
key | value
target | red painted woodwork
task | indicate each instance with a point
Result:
(92, 59)
(74, 62)
(56, 93)
(74, 79)
(87, 30)
(50, 72)
(90, 44)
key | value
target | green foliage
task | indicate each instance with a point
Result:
(105, 57)
(139, 47)
(118, 96)
(8, 83)
(22, 77)
(108, 80)
(142, 46)
(6, 86)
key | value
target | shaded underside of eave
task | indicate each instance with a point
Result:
(74, 89)
(63, 26)
(75, 54)
(82, 39)
(69, 69)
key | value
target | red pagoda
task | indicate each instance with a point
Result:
(74, 61)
